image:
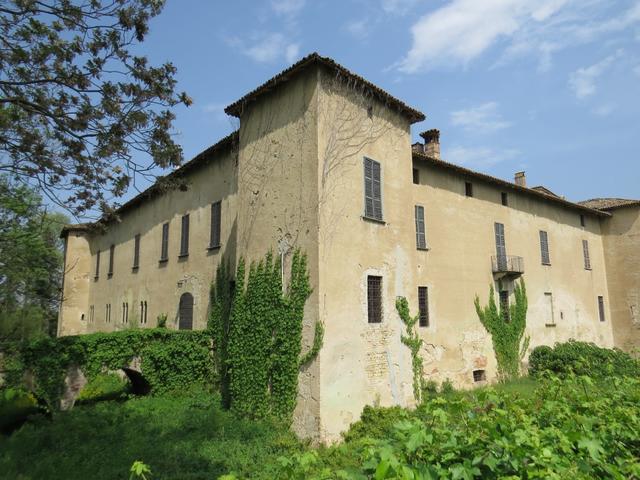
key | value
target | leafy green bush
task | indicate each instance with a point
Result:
(375, 422)
(105, 386)
(572, 428)
(15, 406)
(582, 359)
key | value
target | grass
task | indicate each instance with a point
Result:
(180, 437)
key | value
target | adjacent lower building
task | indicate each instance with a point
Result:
(323, 161)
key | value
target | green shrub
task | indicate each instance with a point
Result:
(106, 386)
(582, 358)
(447, 387)
(15, 406)
(375, 422)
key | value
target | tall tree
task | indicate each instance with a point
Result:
(30, 263)
(77, 109)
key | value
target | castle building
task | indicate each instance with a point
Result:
(323, 161)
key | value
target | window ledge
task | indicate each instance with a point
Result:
(183, 255)
(163, 260)
(546, 264)
(423, 249)
(109, 275)
(549, 324)
(373, 220)
(588, 269)
(214, 247)
(135, 269)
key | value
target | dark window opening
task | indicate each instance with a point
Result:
(416, 176)
(544, 248)
(601, 308)
(97, 265)
(582, 221)
(374, 299)
(125, 312)
(372, 190)
(468, 189)
(184, 236)
(107, 313)
(504, 305)
(185, 321)
(423, 306)
(112, 250)
(164, 250)
(421, 237)
(479, 376)
(501, 247)
(136, 251)
(214, 239)
(505, 199)
(585, 252)
(143, 311)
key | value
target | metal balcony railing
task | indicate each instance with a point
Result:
(507, 265)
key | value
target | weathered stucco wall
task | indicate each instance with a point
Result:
(277, 203)
(622, 255)
(161, 284)
(75, 285)
(361, 363)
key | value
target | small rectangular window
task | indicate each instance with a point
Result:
(97, 265)
(112, 250)
(184, 236)
(372, 190)
(125, 312)
(505, 199)
(136, 251)
(421, 238)
(582, 221)
(601, 308)
(504, 305)
(479, 376)
(143, 312)
(416, 176)
(164, 250)
(423, 306)
(374, 299)
(214, 239)
(468, 189)
(544, 248)
(107, 313)
(585, 252)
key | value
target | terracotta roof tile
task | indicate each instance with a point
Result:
(609, 203)
(237, 107)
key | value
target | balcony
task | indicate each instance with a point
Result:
(507, 266)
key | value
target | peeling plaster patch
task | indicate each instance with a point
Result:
(392, 381)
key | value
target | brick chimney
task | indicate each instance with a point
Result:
(431, 142)
(520, 179)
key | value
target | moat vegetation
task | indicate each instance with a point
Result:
(554, 424)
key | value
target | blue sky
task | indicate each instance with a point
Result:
(551, 87)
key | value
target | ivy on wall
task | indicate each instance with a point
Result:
(413, 341)
(506, 330)
(258, 329)
(170, 360)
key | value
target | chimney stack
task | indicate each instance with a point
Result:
(520, 179)
(431, 142)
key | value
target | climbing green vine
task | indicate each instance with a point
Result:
(506, 330)
(170, 360)
(413, 341)
(258, 329)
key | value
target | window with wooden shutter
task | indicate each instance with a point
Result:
(184, 236)
(423, 306)
(372, 190)
(136, 251)
(97, 265)
(164, 250)
(544, 248)
(601, 308)
(585, 252)
(421, 237)
(501, 248)
(112, 250)
(374, 299)
(216, 210)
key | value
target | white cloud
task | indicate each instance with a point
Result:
(462, 30)
(359, 28)
(583, 80)
(266, 48)
(604, 110)
(287, 7)
(478, 157)
(483, 118)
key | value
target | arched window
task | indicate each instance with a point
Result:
(186, 312)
